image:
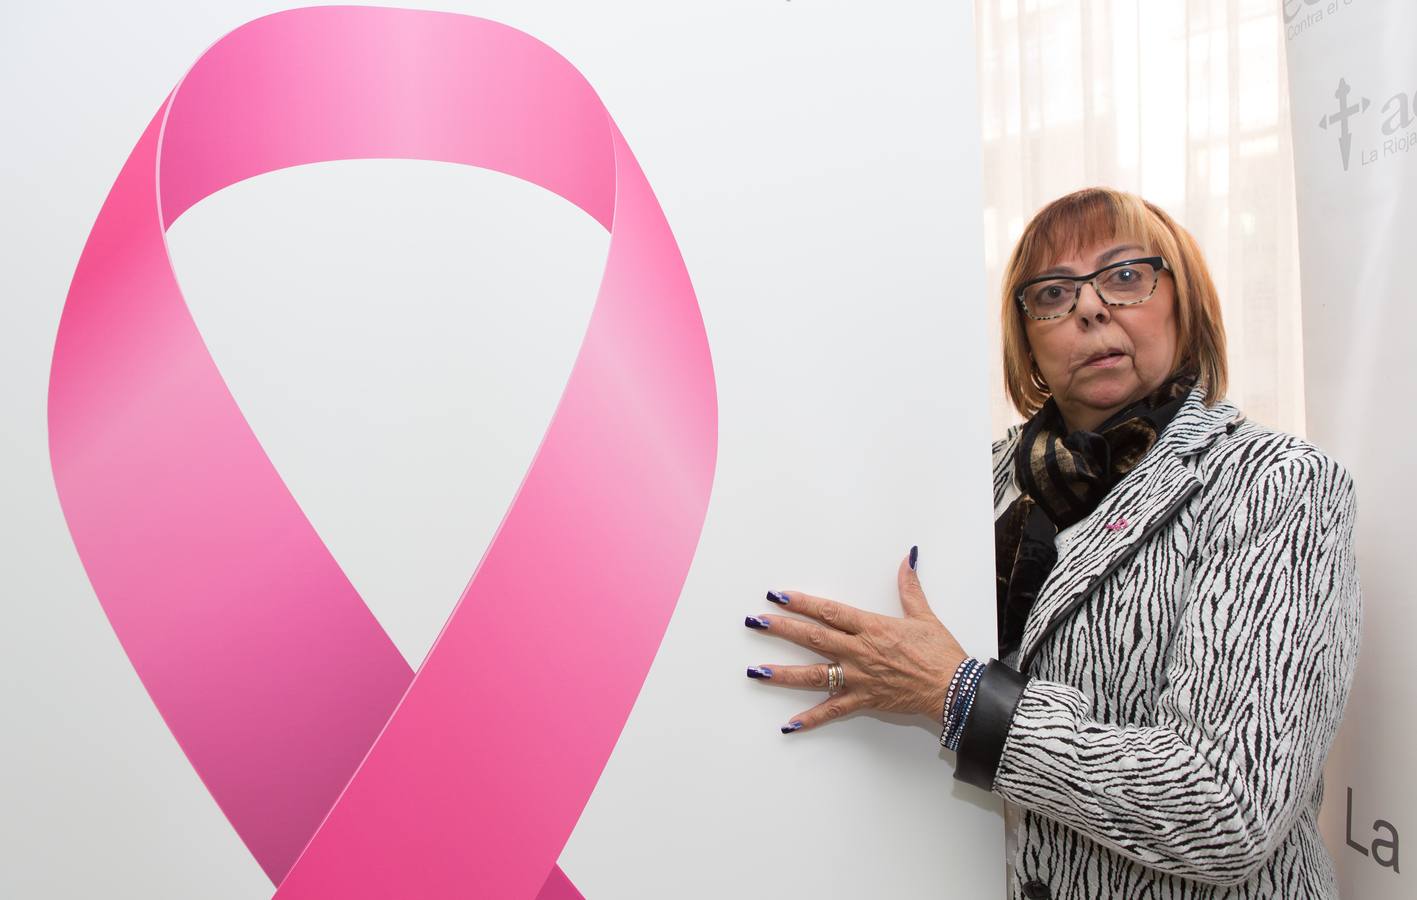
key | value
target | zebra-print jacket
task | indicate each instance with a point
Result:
(1162, 729)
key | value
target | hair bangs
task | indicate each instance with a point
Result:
(1075, 223)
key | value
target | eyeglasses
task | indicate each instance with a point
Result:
(1125, 283)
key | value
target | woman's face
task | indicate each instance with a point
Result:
(1141, 338)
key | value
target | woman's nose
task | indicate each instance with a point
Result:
(1090, 307)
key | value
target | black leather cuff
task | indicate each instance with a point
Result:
(981, 744)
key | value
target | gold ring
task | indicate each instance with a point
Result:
(836, 679)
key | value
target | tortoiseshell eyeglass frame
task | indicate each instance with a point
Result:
(1157, 263)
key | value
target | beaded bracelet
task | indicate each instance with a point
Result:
(963, 703)
(962, 710)
(963, 706)
(949, 696)
(945, 722)
(959, 699)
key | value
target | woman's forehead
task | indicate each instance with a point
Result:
(1087, 257)
(1081, 235)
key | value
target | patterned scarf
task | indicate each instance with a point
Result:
(1063, 477)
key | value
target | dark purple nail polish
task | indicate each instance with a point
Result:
(791, 727)
(778, 597)
(755, 622)
(914, 554)
(759, 672)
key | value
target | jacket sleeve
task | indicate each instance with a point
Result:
(1256, 678)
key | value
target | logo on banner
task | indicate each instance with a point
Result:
(1302, 15)
(1396, 132)
(1340, 118)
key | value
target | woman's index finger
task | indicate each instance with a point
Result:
(829, 612)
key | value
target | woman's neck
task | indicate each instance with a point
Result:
(1087, 418)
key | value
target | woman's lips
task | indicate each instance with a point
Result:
(1107, 361)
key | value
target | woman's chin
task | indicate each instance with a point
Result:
(1115, 392)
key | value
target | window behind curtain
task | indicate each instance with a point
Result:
(1183, 102)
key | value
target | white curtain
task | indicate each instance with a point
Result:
(1183, 102)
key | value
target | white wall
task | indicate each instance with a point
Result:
(394, 328)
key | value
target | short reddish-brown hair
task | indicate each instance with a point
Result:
(1090, 216)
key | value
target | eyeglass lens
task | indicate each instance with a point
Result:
(1125, 284)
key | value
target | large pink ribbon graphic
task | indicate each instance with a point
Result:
(347, 775)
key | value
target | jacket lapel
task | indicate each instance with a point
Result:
(1132, 511)
(1138, 506)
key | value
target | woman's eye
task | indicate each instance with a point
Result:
(1049, 295)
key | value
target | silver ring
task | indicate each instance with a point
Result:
(836, 679)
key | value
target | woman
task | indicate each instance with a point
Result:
(1178, 601)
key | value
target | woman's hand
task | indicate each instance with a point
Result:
(890, 664)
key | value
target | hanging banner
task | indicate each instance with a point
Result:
(298, 712)
(1353, 94)
(314, 609)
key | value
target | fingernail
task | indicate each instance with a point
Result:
(778, 597)
(759, 672)
(791, 727)
(755, 622)
(914, 554)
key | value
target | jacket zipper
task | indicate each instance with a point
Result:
(1106, 573)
